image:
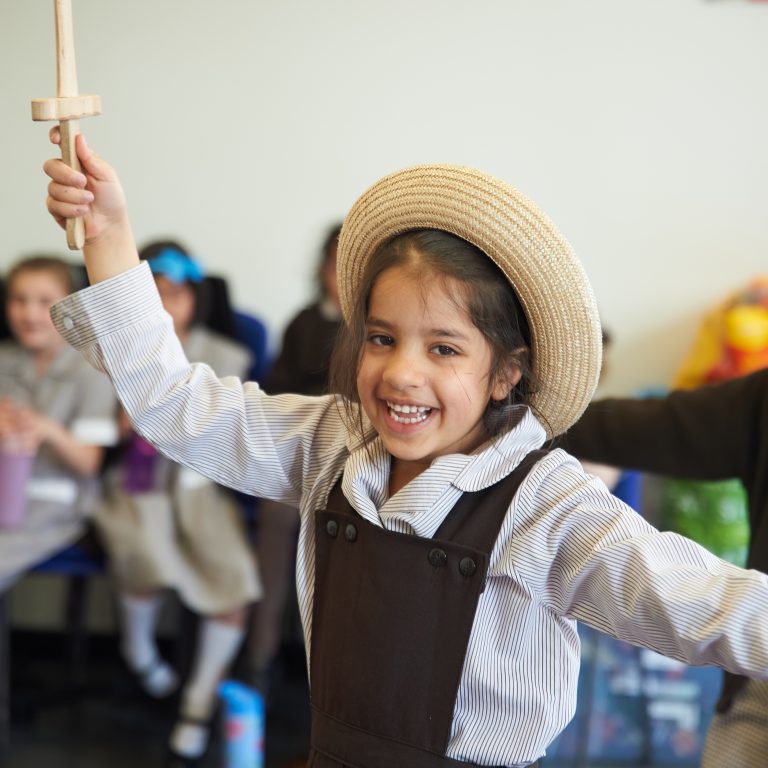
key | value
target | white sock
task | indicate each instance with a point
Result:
(139, 648)
(217, 646)
(189, 740)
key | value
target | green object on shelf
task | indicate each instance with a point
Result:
(712, 514)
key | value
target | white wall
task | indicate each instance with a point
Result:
(244, 127)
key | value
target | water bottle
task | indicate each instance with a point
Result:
(243, 725)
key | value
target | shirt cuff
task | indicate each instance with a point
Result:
(107, 307)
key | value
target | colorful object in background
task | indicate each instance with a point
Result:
(732, 340)
(243, 725)
(635, 708)
(140, 463)
(178, 267)
(712, 514)
(745, 342)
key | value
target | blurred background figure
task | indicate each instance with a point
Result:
(301, 367)
(165, 527)
(57, 415)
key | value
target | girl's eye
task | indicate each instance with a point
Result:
(444, 350)
(381, 339)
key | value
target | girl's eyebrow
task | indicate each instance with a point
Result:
(444, 333)
(448, 333)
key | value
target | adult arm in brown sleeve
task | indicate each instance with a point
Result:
(710, 433)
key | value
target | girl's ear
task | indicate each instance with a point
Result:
(505, 381)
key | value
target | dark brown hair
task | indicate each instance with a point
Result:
(484, 293)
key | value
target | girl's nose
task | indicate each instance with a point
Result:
(403, 371)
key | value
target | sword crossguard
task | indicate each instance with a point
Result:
(66, 107)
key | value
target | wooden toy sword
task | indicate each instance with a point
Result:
(68, 106)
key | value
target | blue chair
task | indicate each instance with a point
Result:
(78, 559)
(252, 332)
(249, 330)
(76, 563)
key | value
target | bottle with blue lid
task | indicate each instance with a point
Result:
(243, 725)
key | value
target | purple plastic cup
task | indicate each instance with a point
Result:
(14, 474)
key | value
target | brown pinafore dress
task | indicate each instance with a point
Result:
(391, 623)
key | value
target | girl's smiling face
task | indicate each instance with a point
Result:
(423, 378)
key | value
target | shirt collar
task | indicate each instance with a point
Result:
(496, 459)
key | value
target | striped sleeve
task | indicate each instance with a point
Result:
(594, 559)
(229, 431)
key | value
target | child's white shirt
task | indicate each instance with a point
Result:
(567, 549)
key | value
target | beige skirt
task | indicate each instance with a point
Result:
(192, 540)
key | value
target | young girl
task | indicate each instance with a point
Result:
(442, 565)
(54, 408)
(167, 527)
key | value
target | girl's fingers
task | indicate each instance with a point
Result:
(55, 135)
(62, 210)
(60, 220)
(68, 194)
(63, 174)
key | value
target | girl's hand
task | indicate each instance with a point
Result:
(95, 193)
(7, 417)
(33, 430)
(97, 196)
(22, 430)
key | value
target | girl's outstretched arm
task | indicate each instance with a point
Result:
(97, 196)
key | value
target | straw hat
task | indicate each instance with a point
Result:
(540, 264)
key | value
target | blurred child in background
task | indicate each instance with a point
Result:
(54, 410)
(167, 527)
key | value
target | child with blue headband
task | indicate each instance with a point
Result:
(167, 527)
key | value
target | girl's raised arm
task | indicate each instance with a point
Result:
(97, 196)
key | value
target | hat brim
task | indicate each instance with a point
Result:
(549, 280)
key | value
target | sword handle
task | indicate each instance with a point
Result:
(75, 227)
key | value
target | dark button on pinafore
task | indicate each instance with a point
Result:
(391, 624)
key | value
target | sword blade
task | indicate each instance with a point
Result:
(66, 69)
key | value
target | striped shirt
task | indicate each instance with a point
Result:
(567, 549)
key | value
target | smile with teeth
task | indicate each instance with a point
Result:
(408, 414)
